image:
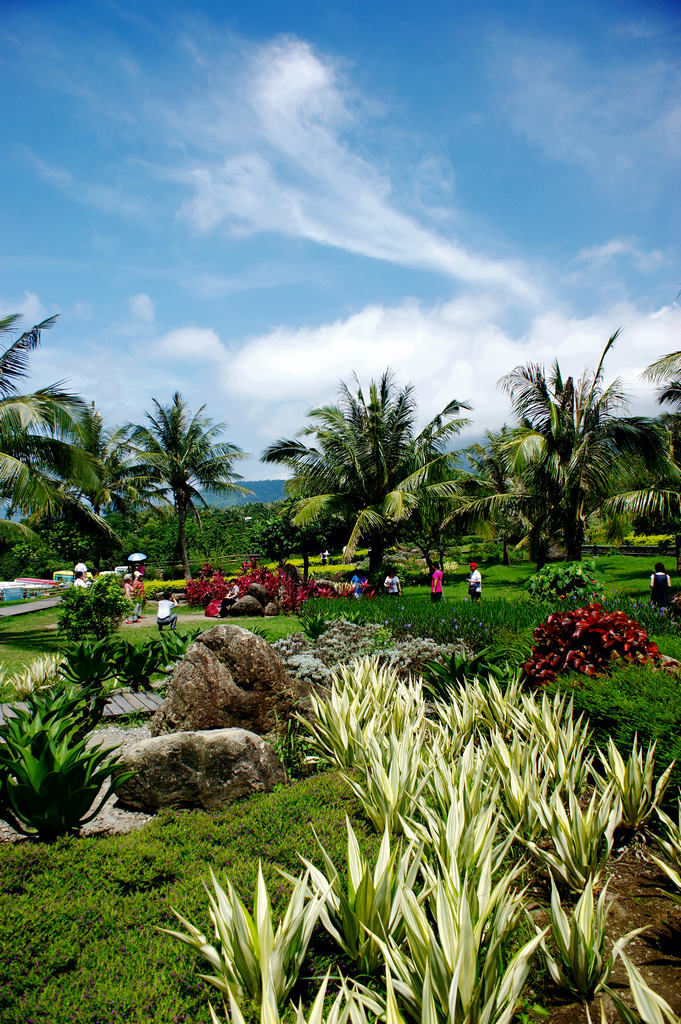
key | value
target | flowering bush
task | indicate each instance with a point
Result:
(586, 640)
(566, 580)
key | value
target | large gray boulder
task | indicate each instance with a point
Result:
(198, 769)
(260, 593)
(247, 605)
(229, 678)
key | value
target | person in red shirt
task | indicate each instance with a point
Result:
(436, 585)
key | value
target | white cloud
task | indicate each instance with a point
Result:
(619, 119)
(457, 350)
(598, 256)
(193, 343)
(290, 169)
(142, 308)
(29, 307)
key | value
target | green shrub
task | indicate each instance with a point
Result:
(49, 778)
(97, 610)
(631, 700)
(571, 580)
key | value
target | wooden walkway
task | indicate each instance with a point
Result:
(118, 705)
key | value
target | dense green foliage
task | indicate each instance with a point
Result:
(632, 700)
(573, 580)
(77, 918)
(50, 780)
(97, 610)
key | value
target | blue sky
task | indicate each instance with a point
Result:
(248, 202)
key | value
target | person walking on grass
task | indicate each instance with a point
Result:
(392, 584)
(660, 585)
(474, 582)
(436, 585)
(166, 616)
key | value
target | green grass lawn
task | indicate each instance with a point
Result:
(25, 637)
(79, 918)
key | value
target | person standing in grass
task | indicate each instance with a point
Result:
(129, 593)
(660, 585)
(392, 584)
(359, 582)
(474, 582)
(436, 585)
(137, 595)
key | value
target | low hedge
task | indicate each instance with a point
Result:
(153, 587)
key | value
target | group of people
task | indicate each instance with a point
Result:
(393, 587)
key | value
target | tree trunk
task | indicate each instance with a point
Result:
(376, 554)
(182, 541)
(505, 557)
(574, 541)
(306, 566)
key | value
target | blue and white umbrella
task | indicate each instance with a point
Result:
(137, 557)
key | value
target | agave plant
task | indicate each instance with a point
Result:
(651, 1007)
(522, 781)
(466, 839)
(89, 661)
(50, 781)
(634, 782)
(38, 674)
(389, 778)
(671, 848)
(173, 646)
(250, 955)
(135, 665)
(563, 741)
(581, 838)
(344, 718)
(582, 968)
(350, 1004)
(370, 903)
(455, 964)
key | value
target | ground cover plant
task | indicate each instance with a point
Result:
(94, 894)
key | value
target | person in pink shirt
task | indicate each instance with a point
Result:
(436, 585)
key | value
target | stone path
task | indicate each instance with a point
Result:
(34, 606)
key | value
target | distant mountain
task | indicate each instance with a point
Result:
(263, 490)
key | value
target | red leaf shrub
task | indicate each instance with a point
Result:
(211, 585)
(586, 640)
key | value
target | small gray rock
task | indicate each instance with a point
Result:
(198, 769)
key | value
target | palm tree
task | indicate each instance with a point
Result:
(39, 436)
(367, 462)
(178, 455)
(490, 474)
(569, 445)
(118, 488)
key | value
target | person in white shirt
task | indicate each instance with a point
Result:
(392, 583)
(80, 567)
(79, 580)
(474, 582)
(166, 616)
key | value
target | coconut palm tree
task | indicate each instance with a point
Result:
(178, 455)
(571, 440)
(367, 461)
(568, 452)
(118, 488)
(490, 474)
(39, 436)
